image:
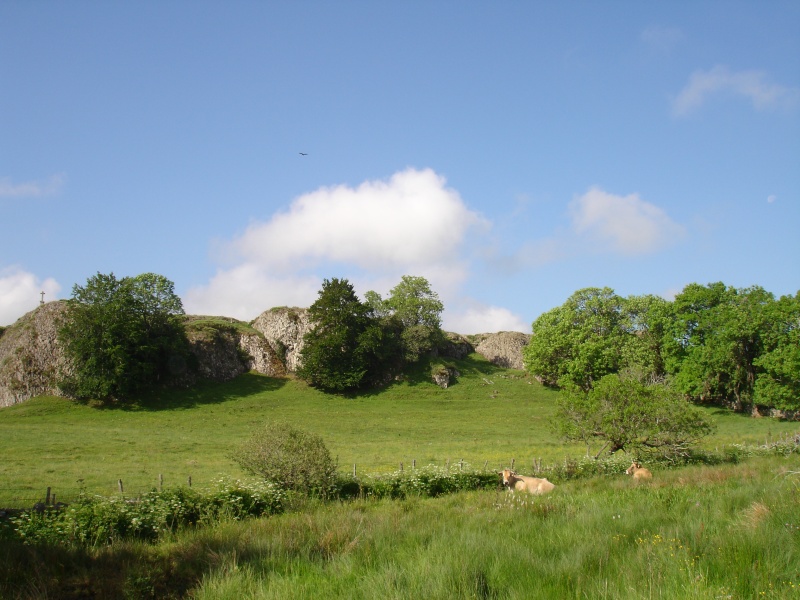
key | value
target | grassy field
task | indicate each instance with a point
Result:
(490, 414)
(731, 531)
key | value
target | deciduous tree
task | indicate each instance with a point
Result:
(625, 414)
(122, 336)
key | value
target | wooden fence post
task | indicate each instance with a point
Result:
(119, 483)
(414, 464)
(354, 470)
(47, 498)
(190, 481)
(160, 482)
(512, 464)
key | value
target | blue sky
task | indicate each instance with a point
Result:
(510, 152)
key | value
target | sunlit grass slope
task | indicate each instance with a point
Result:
(490, 414)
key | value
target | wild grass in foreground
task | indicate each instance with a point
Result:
(727, 531)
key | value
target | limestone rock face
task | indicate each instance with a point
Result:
(456, 346)
(503, 349)
(223, 353)
(30, 355)
(284, 329)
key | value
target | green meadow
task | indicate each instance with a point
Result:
(725, 531)
(488, 417)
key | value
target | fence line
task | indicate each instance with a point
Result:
(13, 498)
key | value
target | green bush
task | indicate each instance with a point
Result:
(290, 458)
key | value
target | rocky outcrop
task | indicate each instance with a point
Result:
(455, 346)
(503, 349)
(30, 355)
(224, 352)
(32, 360)
(284, 329)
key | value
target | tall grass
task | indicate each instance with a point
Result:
(730, 531)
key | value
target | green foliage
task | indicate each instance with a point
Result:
(778, 382)
(580, 341)
(713, 343)
(718, 330)
(417, 310)
(122, 336)
(98, 520)
(427, 481)
(338, 352)
(625, 414)
(290, 458)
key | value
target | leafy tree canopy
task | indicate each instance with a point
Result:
(122, 336)
(417, 311)
(580, 341)
(625, 414)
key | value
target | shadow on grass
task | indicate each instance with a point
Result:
(206, 392)
(420, 374)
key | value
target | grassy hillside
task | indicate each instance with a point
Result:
(490, 414)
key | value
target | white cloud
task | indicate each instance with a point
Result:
(371, 234)
(750, 84)
(624, 224)
(483, 319)
(20, 293)
(771, 198)
(30, 189)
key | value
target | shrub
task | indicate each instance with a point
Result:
(293, 459)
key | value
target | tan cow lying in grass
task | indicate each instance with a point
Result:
(519, 483)
(638, 471)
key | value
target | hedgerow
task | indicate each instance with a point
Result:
(98, 520)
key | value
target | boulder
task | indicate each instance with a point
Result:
(503, 349)
(284, 329)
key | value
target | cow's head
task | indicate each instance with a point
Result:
(507, 475)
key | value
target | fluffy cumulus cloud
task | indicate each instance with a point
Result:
(372, 234)
(484, 319)
(753, 85)
(20, 292)
(624, 224)
(30, 189)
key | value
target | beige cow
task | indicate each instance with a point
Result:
(520, 483)
(638, 471)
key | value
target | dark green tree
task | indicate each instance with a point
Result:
(122, 336)
(345, 343)
(624, 414)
